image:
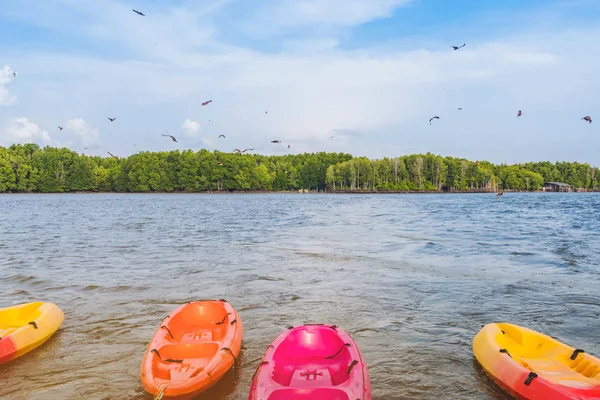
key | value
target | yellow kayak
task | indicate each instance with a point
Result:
(26, 326)
(531, 365)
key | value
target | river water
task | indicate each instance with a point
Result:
(411, 277)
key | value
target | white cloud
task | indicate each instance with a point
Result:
(6, 76)
(191, 128)
(21, 130)
(88, 135)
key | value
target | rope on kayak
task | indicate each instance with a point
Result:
(339, 351)
(161, 391)
(223, 300)
(33, 323)
(576, 353)
(354, 362)
(233, 322)
(235, 360)
(531, 376)
(168, 330)
(166, 359)
(224, 318)
(505, 351)
(334, 327)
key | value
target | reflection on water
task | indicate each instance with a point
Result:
(411, 277)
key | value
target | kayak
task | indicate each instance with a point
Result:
(26, 326)
(195, 345)
(312, 362)
(531, 365)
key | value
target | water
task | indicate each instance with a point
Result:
(411, 277)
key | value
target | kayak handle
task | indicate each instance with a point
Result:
(505, 351)
(354, 362)
(167, 359)
(531, 376)
(235, 361)
(168, 330)
(339, 351)
(224, 318)
(33, 323)
(576, 353)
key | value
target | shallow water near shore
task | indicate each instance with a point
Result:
(411, 277)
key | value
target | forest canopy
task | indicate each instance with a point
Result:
(29, 168)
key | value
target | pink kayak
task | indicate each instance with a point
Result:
(316, 362)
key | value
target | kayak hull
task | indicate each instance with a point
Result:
(194, 347)
(533, 366)
(25, 327)
(312, 362)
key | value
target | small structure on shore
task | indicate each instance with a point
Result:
(557, 187)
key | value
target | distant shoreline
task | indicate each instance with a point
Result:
(301, 193)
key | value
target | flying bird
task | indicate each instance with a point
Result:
(432, 118)
(206, 102)
(172, 137)
(245, 150)
(112, 119)
(266, 112)
(275, 141)
(112, 155)
(459, 47)
(289, 146)
(222, 136)
(459, 108)
(14, 74)
(587, 118)
(519, 113)
(139, 12)
(60, 128)
(237, 151)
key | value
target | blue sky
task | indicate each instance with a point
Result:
(368, 72)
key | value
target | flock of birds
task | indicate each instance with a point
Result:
(587, 118)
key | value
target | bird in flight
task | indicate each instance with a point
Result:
(289, 146)
(432, 118)
(519, 113)
(459, 108)
(245, 150)
(112, 155)
(237, 151)
(459, 47)
(172, 137)
(60, 128)
(206, 103)
(587, 118)
(112, 119)
(222, 136)
(275, 141)
(139, 12)
(266, 112)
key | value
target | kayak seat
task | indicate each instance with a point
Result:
(183, 361)
(309, 394)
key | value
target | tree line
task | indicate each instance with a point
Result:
(29, 168)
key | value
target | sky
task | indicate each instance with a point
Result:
(356, 76)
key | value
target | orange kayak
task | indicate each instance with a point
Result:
(195, 345)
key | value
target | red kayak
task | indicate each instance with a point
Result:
(312, 362)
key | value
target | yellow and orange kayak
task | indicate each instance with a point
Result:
(26, 326)
(530, 365)
(195, 345)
